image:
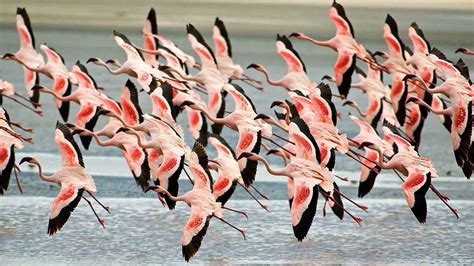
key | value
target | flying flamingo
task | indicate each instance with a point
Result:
(223, 56)
(228, 171)
(9, 142)
(134, 66)
(418, 170)
(86, 95)
(296, 77)
(344, 44)
(27, 53)
(72, 178)
(203, 204)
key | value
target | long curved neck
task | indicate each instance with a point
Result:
(140, 141)
(356, 106)
(173, 198)
(154, 52)
(321, 43)
(42, 175)
(223, 120)
(278, 124)
(267, 77)
(117, 71)
(40, 68)
(446, 111)
(382, 164)
(57, 96)
(280, 172)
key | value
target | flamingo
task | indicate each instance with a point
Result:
(228, 170)
(56, 70)
(344, 44)
(149, 28)
(86, 95)
(9, 142)
(418, 170)
(134, 66)
(27, 53)
(296, 78)
(202, 202)
(72, 178)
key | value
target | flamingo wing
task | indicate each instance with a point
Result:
(149, 29)
(70, 153)
(132, 113)
(223, 148)
(242, 101)
(420, 44)
(249, 141)
(87, 117)
(303, 207)
(221, 39)
(23, 25)
(168, 175)
(289, 54)
(201, 48)
(137, 160)
(62, 87)
(7, 160)
(133, 54)
(367, 177)
(63, 205)
(199, 167)
(306, 146)
(414, 188)
(396, 48)
(84, 79)
(398, 97)
(194, 231)
(343, 70)
(461, 131)
(339, 18)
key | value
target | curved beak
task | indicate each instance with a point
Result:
(294, 34)
(276, 103)
(272, 151)
(261, 116)
(150, 188)
(253, 66)
(244, 155)
(92, 59)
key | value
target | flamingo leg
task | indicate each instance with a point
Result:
(101, 221)
(356, 219)
(362, 207)
(100, 203)
(18, 125)
(18, 183)
(357, 160)
(38, 112)
(231, 225)
(35, 105)
(259, 192)
(237, 211)
(278, 145)
(248, 191)
(18, 136)
(324, 207)
(189, 177)
(282, 138)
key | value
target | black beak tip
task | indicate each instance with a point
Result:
(150, 188)
(252, 66)
(294, 34)
(25, 159)
(92, 59)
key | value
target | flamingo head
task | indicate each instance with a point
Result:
(122, 129)
(157, 189)
(255, 66)
(248, 155)
(410, 76)
(8, 56)
(30, 160)
(93, 60)
(264, 117)
(461, 50)
(296, 35)
(38, 87)
(277, 103)
(365, 144)
(413, 99)
(273, 151)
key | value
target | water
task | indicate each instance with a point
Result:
(139, 230)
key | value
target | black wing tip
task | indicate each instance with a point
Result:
(151, 14)
(55, 224)
(192, 248)
(366, 186)
(301, 229)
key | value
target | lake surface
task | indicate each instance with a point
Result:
(140, 230)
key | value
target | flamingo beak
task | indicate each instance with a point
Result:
(92, 59)
(276, 103)
(409, 76)
(272, 151)
(37, 87)
(351, 103)
(261, 116)
(295, 34)
(244, 155)
(26, 159)
(460, 50)
(122, 129)
(186, 103)
(8, 56)
(253, 66)
(365, 144)
(150, 188)
(216, 162)
(327, 77)
(77, 131)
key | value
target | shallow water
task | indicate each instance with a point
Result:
(139, 230)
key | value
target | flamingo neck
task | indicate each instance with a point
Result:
(280, 172)
(269, 80)
(321, 43)
(173, 198)
(42, 175)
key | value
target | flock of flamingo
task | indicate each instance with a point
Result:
(422, 80)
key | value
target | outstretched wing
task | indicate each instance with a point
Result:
(150, 28)
(131, 111)
(288, 53)
(306, 146)
(128, 48)
(23, 25)
(420, 44)
(221, 39)
(194, 231)
(198, 164)
(339, 18)
(63, 205)
(201, 47)
(70, 153)
(303, 206)
(396, 48)
(249, 141)
(343, 70)
(415, 188)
